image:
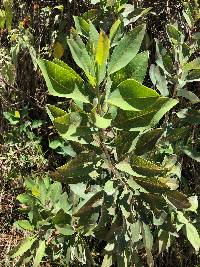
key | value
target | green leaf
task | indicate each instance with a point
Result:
(82, 26)
(147, 141)
(126, 49)
(25, 199)
(81, 55)
(93, 35)
(146, 118)
(39, 253)
(24, 224)
(55, 144)
(107, 261)
(61, 80)
(192, 65)
(88, 203)
(136, 70)
(2, 19)
(190, 231)
(174, 34)
(113, 29)
(77, 169)
(135, 231)
(132, 95)
(103, 47)
(190, 116)
(109, 188)
(151, 184)
(24, 246)
(102, 122)
(178, 199)
(192, 153)
(146, 167)
(122, 147)
(66, 231)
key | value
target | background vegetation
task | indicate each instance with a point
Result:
(31, 149)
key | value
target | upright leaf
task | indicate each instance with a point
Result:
(39, 253)
(126, 49)
(103, 47)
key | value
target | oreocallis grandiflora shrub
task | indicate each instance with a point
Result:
(123, 188)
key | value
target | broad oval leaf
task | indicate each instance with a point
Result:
(61, 80)
(146, 118)
(132, 95)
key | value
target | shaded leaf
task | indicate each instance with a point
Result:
(178, 199)
(77, 169)
(147, 141)
(146, 167)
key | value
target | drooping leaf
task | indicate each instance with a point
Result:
(39, 253)
(132, 95)
(58, 50)
(151, 184)
(174, 34)
(72, 126)
(146, 167)
(67, 230)
(192, 153)
(148, 242)
(123, 147)
(189, 115)
(113, 29)
(146, 118)
(2, 18)
(82, 26)
(8, 6)
(178, 199)
(190, 231)
(126, 49)
(192, 65)
(147, 141)
(87, 204)
(188, 95)
(77, 169)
